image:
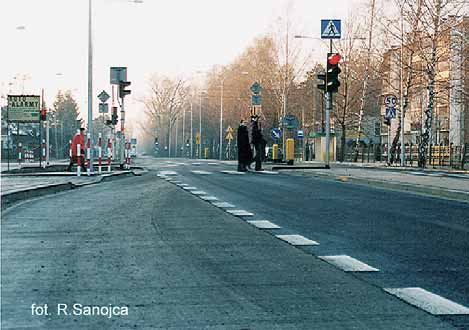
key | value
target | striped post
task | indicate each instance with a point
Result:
(88, 154)
(109, 154)
(78, 159)
(100, 150)
(43, 152)
(20, 153)
(128, 155)
(70, 149)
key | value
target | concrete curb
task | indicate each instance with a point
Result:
(11, 198)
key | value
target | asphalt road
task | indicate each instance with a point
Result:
(414, 240)
(177, 262)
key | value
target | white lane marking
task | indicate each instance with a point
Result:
(223, 205)
(182, 184)
(348, 264)
(266, 172)
(209, 198)
(201, 172)
(297, 240)
(214, 164)
(240, 213)
(264, 224)
(189, 188)
(164, 173)
(429, 302)
(233, 172)
(198, 192)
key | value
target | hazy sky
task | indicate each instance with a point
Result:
(171, 37)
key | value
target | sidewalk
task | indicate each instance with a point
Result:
(451, 184)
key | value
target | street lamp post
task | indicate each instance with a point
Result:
(90, 80)
(221, 119)
(192, 130)
(200, 125)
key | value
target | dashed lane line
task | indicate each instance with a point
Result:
(209, 198)
(297, 240)
(189, 188)
(267, 172)
(264, 224)
(201, 172)
(348, 264)
(182, 185)
(167, 173)
(240, 213)
(428, 301)
(198, 192)
(233, 172)
(223, 205)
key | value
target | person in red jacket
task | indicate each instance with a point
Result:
(78, 138)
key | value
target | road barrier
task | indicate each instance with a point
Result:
(109, 154)
(20, 153)
(78, 159)
(88, 154)
(100, 151)
(43, 153)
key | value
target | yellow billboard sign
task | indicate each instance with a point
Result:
(23, 108)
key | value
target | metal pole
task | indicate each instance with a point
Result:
(90, 79)
(192, 139)
(328, 126)
(183, 131)
(47, 141)
(388, 153)
(122, 138)
(200, 125)
(176, 141)
(402, 91)
(328, 121)
(221, 120)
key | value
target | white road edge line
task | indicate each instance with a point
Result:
(240, 213)
(429, 302)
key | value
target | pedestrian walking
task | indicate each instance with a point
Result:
(78, 138)
(244, 148)
(259, 142)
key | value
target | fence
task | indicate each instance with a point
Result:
(450, 156)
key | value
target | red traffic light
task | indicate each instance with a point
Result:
(334, 59)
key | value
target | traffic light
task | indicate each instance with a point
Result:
(114, 116)
(43, 114)
(122, 91)
(333, 71)
(387, 121)
(322, 81)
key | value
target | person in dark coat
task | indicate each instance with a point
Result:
(259, 142)
(244, 148)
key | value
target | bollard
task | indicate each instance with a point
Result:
(128, 155)
(70, 150)
(78, 160)
(43, 152)
(275, 152)
(206, 153)
(109, 154)
(88, 154)
(20, 153)
(99, 153)
(290, 151)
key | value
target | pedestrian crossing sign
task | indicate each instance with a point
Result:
(229, 136)
(330, 29)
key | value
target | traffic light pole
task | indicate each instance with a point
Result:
(328, 126)
(122, 139)
(328, 118)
